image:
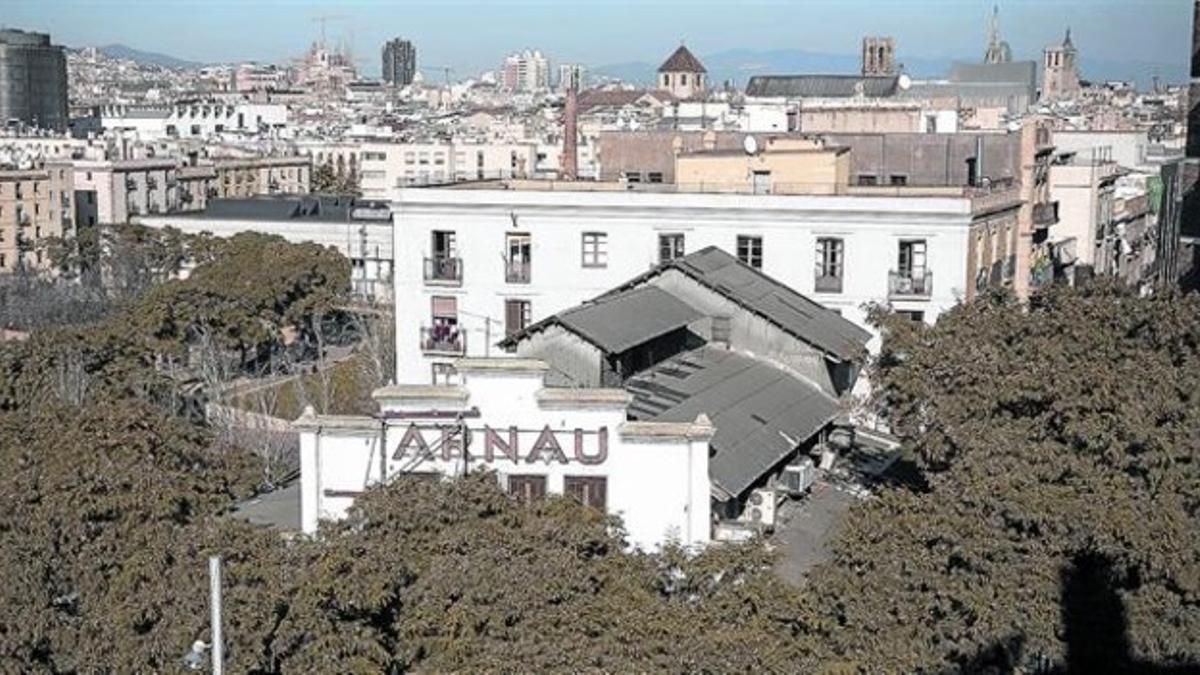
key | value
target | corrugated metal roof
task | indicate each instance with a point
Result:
(619, 322)
(761, 413)
(823, 86)
(807, 320)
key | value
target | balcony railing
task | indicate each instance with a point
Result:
(443, 270)
(827, 284)
(446, 340)
(917, 284)
(1045, 215)
(517, 271)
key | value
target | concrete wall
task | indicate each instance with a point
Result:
(813, 172)
(929, 159)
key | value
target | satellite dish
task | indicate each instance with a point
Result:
(750, 145)
(905, 82)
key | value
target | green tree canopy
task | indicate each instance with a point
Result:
(1046, 435)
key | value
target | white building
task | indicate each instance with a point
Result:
(539, 440)
(571, 75)
(197, 120)
(526, 71)
(483, 263)
(388, 167)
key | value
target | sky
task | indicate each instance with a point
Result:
(470, 35)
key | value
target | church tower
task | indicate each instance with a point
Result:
(1060, 74)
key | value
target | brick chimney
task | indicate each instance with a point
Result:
(570, 157)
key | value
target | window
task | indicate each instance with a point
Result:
(444, 374)
(654, 177)
(666, 80)
(670, 247)
(516, 316)
(683, 79)
(633, 176)
(830, 265)
(750, 251)
(914, 316)
(517, 265)
(867, 180)
(899, 179)
(587, 490)
(595, 249)
(525, 488)
(195, 129)
(444, 244)
(912, 259)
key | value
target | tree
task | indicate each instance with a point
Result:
(326, 179)
(1046, 435)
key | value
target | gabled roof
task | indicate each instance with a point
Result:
(619, 98)
(761, 413)
(823, 86)
(617, 323)
(763, 296)
(682, 61)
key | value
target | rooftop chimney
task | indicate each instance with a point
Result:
(570, 159)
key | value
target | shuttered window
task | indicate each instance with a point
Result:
(445, 307)
(525, 488)
(587, 490)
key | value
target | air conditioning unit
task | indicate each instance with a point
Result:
(798, 478)
(760, 508)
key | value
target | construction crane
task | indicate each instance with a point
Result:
(323, 19)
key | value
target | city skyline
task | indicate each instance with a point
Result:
(471, 36)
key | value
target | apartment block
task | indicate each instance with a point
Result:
(475, 265)
(34, 205)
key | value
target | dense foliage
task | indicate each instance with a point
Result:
(1049, 439)
(1055, 443)
(235, 309)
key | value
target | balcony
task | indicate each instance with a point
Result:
(517, 271)
(915, 285)
(1045, 215)
(443, 341)
(827, 284)
(443, 271)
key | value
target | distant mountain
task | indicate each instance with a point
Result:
(739, 65)
(146, 58)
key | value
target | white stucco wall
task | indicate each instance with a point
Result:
(871, 228)
(656, 474)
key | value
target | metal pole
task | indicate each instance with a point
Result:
(214, 583)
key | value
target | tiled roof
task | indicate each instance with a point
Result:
(682, 61)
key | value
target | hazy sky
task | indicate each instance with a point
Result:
(469, 35)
